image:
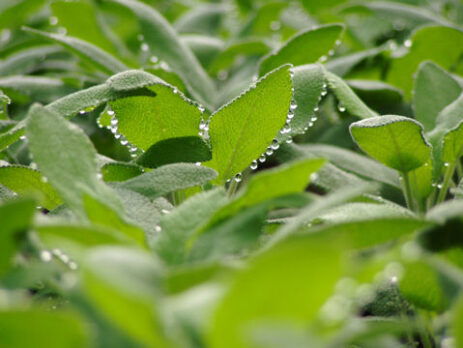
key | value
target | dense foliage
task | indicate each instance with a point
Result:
(231, 173)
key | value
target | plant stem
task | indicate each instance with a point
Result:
(408, 191)
(445, 185)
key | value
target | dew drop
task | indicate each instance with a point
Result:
(238, 177)
(175, 90)
(439, 186)
(324, 93)
(154, 59)
(99, 176)
(82, 112)
(286, 129)
(73, 265)
(110, 112)
(275, 145)
(201, 108)
(316, 109)
(44, 179)
(289, 140)
(23, 137)
(198, 164)
(262, 158)
(293, 106)
(446, 164)
(269, 151)
(341, 107)
(124, 141)
(46, 256)
(313, 176)
(323, 59)
(310, 124)
(165, 211)
(408, 43)
(254, 165)
(158, 228)
(331, 52)
(144, 47)
(313, 119)
(53, 20)
(338, 42)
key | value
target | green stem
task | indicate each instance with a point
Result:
(445, 185)
(407, 191)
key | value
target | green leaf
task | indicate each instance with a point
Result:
(286, 179)
(254, 296)
(395, 141)
(66, 329)
(168, 178)
(86, 51)
(205, 48)
(102, 215)
(28, 182)
(203, 19)
(352, 162)
(303, 48)
(427, 44)
(14, 13)
(447, 126)
(347, 98)
(121, 283)
(457, 323)
(51, 139)
(16, 216)
(162, 114)
(241, 130)
(308, 83)
(421, 286)
(179, 226)
(26, 59)
(361, 225)
(452, 148)
(120, 171)
(4, 101)
(12, 135)
(183, 149)
(164, 43)
(80, 20)
(434, 89)
(344, 64)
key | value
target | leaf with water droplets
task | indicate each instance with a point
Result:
(174, 150)
(30, 183)
(395, 141)
(86, 51)
(289, 178)
(348, 99)
(428, 44)
(241, 130)
(434, 89)
(4, 101)
(147, 119)
(308, 83)
(303, 48)
(168, 178)
(80, 21)
(163, 42)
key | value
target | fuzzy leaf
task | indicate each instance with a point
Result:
(395, 141)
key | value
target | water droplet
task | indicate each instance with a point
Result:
(124, 141)
(313, 176)
(341, 107)
(323, 59)
(111, 112)
(269, 151)
(46, 256)
(310, 124)
(275, 25)
(313, 119)
(198, 164)
(238, 177)
(439, 186)
(165, 211)
(158, 228)
(289, 140)
(23, 137)
(331, 52)
(222, 75)
(324, 93)
(53, 20)
(316, 109)
(408, 43)
(44, 179)
(201, 108)
(144, 47)
(82, 112)
(133, 149)
(275, 145)
(262, 158)
(73, 265)
(286, 129)
(290, 116)
(175, 90)
(99, 176)
(154, 59)
(62, 31)
(254, 165)
(338, 42)
(114, 122)
(164, 66)
(293, 106)
(446, 164)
